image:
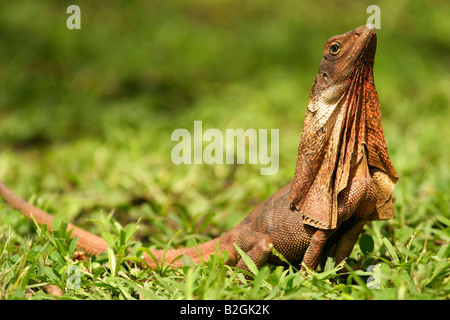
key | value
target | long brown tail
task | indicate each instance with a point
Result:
(87, 241)
(93, 244)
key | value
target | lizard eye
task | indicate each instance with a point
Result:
(335, 48)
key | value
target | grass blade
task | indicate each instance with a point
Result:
(249, 262)
(390, 248)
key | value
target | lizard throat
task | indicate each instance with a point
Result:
(340, 128)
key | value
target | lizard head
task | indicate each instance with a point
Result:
(343, 56)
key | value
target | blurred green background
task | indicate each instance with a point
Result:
(86, 115)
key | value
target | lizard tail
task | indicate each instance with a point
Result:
(94, 245)
(87, 241)
(172, 257)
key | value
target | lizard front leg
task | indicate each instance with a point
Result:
(347, 241)
(315, 249)
(355, 203)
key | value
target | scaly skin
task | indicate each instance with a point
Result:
(343, 176)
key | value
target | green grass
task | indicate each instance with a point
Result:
(86, 118)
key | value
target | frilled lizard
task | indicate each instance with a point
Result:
(343, 177)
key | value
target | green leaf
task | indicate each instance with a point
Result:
(51, 274)
(248, 261)
(72, 246)
(112, 261)
(109, 238)
(354, 276)
(390, 248)
(441, 263)
(120, 256)
(56, 223)
(152, 256)
(56, 256)
(123, 237)
(443, 220)
(403, 235)
(130, 230)
(366, 243)
(62, 230)
(329, 264)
